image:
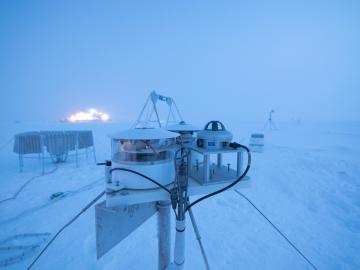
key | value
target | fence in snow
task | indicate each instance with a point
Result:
(58, 145)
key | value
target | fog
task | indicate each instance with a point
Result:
(221, 59)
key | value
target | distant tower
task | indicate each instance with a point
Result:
(270, 124)
(145, 119)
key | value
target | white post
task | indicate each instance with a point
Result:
(198, 237)
(164, 236)
(206, 168)
(219, 160)
(179, 252)
(239, 167)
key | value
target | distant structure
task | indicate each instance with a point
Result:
(270, 124)
(145, 119)
(88, 116)
(58, 145)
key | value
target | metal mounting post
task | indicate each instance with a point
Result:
(206, 168)
(198, 238)
(239, 163)
(179, 251)
(164, 236)
(219, 160)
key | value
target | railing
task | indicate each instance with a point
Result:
(58, 145)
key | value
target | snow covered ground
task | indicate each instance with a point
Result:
(306, 182)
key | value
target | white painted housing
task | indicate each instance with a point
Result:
(149, 151)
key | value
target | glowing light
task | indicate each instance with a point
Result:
(90, 115)
(72, 118)
(105, 117)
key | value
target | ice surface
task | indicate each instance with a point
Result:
(306, 181)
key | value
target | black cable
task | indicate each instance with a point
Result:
(13, 197)
(228, 186)
(277, 229)
(198, 237)
(142, 175)
(66, 225)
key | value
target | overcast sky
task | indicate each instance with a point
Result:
(217, 59)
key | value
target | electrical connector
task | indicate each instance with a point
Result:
(174, 198)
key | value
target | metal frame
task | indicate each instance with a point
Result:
(189, 181)
(185, 185)
(206, 174)
(41, 135)
(118, 202)
(150, 107)
(270, 122)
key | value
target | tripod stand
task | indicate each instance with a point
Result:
(270, 124)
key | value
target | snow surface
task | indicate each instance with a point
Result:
(306, 181)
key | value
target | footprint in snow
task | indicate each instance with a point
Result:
(19, 247)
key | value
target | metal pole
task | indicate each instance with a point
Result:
(239, 163)
(178, 112)
(219, 160)
(179, 250)
(141, 113)
(198, 237)
(164, 236)
(182, 185)
(157, 115)
(168, 118)
(206, 168)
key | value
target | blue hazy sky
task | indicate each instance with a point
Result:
(218, 59)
